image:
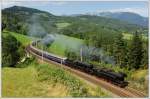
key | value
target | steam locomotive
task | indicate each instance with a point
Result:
(106, 74)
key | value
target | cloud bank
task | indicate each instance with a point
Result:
(38, 4)
(140, 11)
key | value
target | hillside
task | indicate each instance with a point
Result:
(36, 79)
(105, 45)
(28, 20)
(45, 80)
(22, 19)
(127, 16)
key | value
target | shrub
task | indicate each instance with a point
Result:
(10, 54)
(55, 75)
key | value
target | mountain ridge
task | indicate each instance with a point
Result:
(126, 16)
(22, 18)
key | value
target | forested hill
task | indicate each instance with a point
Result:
(20, 19)
(26, 10)
(127, 16)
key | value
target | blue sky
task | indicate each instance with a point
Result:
(81, 7)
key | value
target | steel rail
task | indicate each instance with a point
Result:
(122, 92)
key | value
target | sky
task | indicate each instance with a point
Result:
(82, 7)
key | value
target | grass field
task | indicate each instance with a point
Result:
(139, 74)
(128, 36)
(139, 80)
(25, 40)
(62, 25)
(45, 80)
(24, 83)
(62, 42)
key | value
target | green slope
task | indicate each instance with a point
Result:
(45, 80)
(62, 42)
(25, 40)
(128, 36)
(25, 83)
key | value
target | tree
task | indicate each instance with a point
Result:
(120, 50)
(145, 55)
(3, 26)
(10, 55)
(135, 51)
(70, 54)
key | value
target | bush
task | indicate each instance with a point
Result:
(27, 62)
(10, 54)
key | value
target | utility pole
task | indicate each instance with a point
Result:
(42, 51)
(42, 54)
(36, 43)
(61, 61)
(81, 54)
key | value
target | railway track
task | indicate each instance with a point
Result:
(136, 92)
(121, 92)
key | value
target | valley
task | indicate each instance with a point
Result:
(104, 45)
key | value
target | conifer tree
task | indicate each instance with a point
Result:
(120, 51)
(145, 55)
(135, 51)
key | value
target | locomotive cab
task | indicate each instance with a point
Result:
(123, 74)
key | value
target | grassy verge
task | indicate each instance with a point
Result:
(45, 80)
(77, 88)
(139, 80)
(23, 82)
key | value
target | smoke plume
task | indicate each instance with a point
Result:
(48, 40)
(98, 54)
(35, 29)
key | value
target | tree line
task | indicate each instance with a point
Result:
(130, 54)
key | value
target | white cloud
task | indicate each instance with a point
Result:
(58, 3)
(141, 11)
(28, 3)
(8, 3)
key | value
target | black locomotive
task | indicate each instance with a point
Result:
(108, 75)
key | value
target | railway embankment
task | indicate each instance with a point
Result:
(122, 92)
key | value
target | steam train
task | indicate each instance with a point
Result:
(106, 74)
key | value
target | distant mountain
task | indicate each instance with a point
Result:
(24, 10)
(126, 16)
(26, 20)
